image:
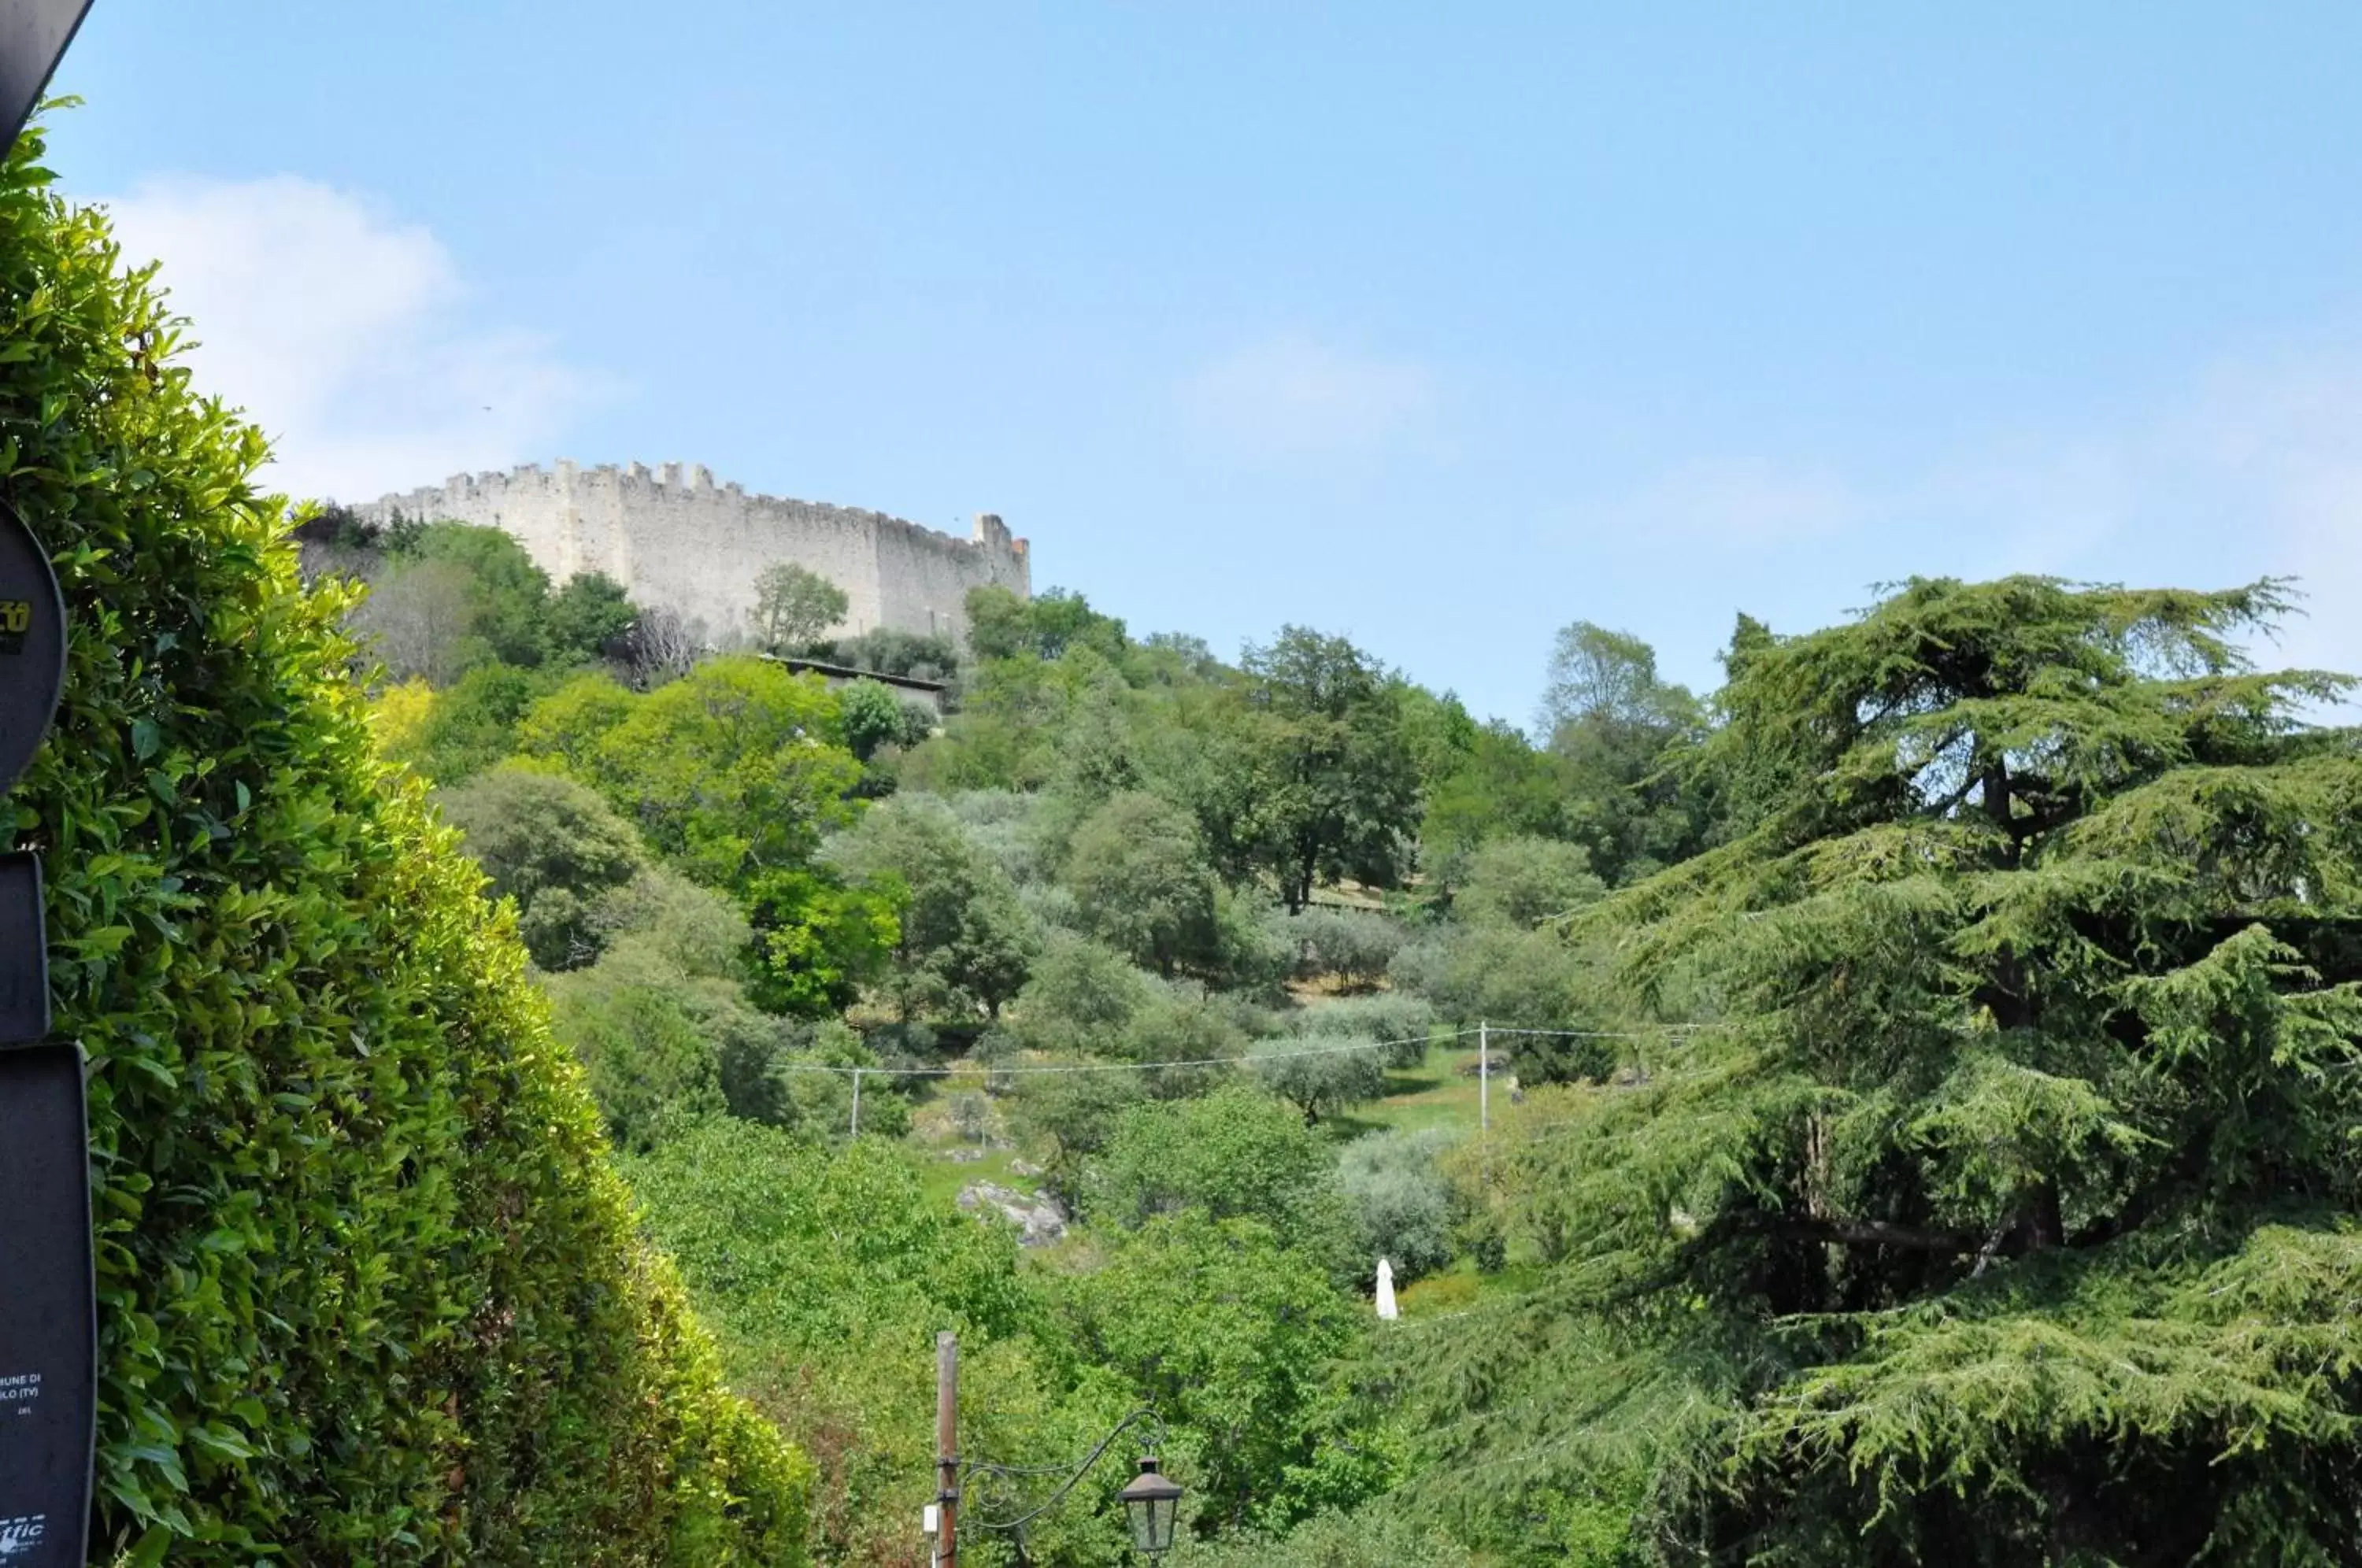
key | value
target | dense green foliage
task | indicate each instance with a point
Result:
(875, 718)
(1405, 1207)
(731, 774)
(1998, 1203)
(369, 1290)
(1331, 1540)
(1240, 1341)
(1231, 1154)
(1143, 885)
(830, 1273)
(1322, 784)
(1320, 1077)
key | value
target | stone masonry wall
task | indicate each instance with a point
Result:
(677, 539)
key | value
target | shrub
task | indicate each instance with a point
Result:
(1524, 881)
(694, 929)
(1251, 953)
(369, 1289)
(1005, 825)
(1081, 999)
(888, 651)
(1351, 945)
(1402, 1024)
(1330, 1540)
(1236, 1338)
(1239, 1153)
(1179, 1023)
(829, 1272)
(1078, 1114)
(1320, 1077)
(966, 941)
(651, 1067)
(1516, 980)
(1401, 1198)
(473, 724)
(876, 718)
(664, 1024)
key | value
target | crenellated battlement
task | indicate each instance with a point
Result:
(676, 539)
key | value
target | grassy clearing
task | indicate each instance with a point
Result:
(950, 1159)
(945, 1170)
(1436, 1093)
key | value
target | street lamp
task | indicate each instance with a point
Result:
(1152, 1500)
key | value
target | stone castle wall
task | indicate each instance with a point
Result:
(677, 539)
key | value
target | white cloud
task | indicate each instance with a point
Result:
(1743, 502)
(1291, 393)
(345, 335)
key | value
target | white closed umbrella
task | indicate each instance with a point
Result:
(1388, 1311)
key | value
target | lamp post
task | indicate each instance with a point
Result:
(1151, 1500)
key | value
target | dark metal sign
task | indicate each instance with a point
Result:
(48, 1329)
(23, 959)
(48, 1314)
(33, 34)
(32, 645)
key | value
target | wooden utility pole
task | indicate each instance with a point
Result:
(947, 1449)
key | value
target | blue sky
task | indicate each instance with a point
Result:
(1436, 326)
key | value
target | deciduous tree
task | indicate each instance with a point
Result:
(553, 845)
(1142, 882)
(966, 943)
(793, 605)
(1315, 779)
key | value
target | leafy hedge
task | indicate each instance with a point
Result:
(369, 1292)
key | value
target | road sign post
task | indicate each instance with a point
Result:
(49, 1305)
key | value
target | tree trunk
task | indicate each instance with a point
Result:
(2044, 1227)
(1998, 803)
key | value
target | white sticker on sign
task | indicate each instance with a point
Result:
(20, 1535)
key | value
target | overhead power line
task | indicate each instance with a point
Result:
(1122, 1066)
(1203, 1061)
(1604, 1033)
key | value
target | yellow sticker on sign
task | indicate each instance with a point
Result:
(15, 615)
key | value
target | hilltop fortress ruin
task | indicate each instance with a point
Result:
(677, 540)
